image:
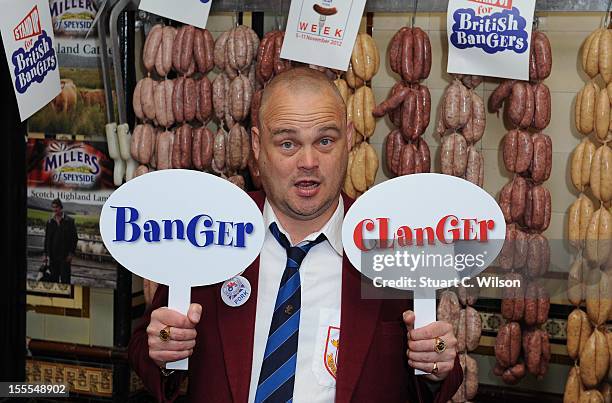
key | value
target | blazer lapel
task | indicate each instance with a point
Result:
(357, 325)
(237, 330)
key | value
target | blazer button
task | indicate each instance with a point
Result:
(289, 309)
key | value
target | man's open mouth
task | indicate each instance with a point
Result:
(307, 187)
(307, 184)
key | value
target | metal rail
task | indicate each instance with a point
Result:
(118, 9)
(105, 59)
(406, 6)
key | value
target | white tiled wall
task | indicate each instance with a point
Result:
(97, 330)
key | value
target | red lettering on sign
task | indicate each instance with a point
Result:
(495, 3)
(447, 230)
(29, 26)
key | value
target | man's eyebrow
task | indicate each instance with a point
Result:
(329, 127)
(277, 132)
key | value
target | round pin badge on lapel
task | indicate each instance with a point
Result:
(236, 291)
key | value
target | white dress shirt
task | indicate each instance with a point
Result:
(321, 286)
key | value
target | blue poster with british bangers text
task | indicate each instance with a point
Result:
(490, 37)
(27, 34)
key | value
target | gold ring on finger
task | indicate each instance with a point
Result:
(434, 370)
(164, 334)
(439, 345)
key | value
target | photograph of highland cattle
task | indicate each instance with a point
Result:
(80, 107)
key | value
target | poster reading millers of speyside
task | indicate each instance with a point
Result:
(80, 108)
(490, 37)
(80, 175)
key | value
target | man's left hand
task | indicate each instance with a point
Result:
(421, 344)
(69, 258)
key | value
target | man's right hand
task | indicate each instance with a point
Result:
(182, 334)
(45, 259)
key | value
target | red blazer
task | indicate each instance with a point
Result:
(372, 362)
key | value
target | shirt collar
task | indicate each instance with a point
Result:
(332, 228)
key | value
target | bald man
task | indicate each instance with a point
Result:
(305, 334)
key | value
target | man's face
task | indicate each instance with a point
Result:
(302, 151)
(57, 210)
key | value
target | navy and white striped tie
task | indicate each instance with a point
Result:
(277, 374)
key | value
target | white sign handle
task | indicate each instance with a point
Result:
(179, 298)
(424, 313)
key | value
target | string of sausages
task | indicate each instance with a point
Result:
(456, 308)
(409, 109)
(408, 104)
(589, 343)
(175, 113)
(354, 86)
(526, 205)
(461, 122)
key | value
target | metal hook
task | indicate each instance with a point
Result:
(606, 21)
(115, 13)
(276, 15)
(283, 17)
(99, 14)
(102, 25)
(414, 11)
(236, 17)
(242, 9)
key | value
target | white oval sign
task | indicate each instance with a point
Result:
(427, 225)
(183, 228)
(421, 233)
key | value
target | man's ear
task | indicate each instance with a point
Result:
(350, 133)
(255, 142)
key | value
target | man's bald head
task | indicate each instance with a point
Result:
(299, 80)
(301, 146)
